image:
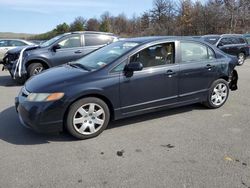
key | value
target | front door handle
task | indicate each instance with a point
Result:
(78, 52)
(209, 67)
(170, 73)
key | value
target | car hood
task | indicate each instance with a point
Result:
(54, 78)
(28, 48)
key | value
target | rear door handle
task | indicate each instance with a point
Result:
(170, 73)
(78, 52)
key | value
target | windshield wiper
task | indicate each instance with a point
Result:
(78, 65)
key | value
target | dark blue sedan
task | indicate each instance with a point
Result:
(126, 78)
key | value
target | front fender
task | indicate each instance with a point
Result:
(39, 59)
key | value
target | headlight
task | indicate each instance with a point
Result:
(43, 97)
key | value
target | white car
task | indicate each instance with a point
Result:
(8, 44)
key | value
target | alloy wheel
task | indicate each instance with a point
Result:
(89, 119)
(38, 70)
(219, 94)
(241, 58)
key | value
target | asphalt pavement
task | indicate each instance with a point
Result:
(186, 147)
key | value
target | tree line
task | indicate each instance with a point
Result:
(167, 17)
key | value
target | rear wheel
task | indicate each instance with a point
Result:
(87, 118)
(218, 94)
(34, 69)
(241, 58)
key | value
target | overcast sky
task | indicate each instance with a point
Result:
(38, 16)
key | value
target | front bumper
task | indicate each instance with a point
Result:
(9, 63)
(44, 117)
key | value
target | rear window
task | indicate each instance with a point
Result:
(242, 41)
(248, 39)
(96, 40)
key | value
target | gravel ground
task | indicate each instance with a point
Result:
(184, 147)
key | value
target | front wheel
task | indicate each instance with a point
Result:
(241, 58)
(34, 69)
(218, 94)
(87, 118)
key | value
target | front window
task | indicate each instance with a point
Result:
(157, 55)
(71, 42)
(225, 41)
(17, 43)
(211, 40)
(51, 41)
(106, 55)
(3, 43)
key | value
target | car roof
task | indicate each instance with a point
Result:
(89, 32)
(224, 35)
(158, 38)
(21, 40)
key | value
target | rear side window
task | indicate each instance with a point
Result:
(97, 40)
(191, 51)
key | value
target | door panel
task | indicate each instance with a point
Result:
(149, 88)
(196, 77)
(197, 70)
(63, 56)
(70, 50)
(156, 85)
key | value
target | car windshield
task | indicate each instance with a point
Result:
(106, 55)
(51, 41)
(211, 40)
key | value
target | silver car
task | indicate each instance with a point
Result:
(8, 44)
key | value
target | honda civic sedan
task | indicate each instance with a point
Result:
(126, 78)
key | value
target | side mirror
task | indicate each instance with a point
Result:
(219, 45)
(131, 67)
(56, 47)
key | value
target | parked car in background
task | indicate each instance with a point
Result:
(247, 36)
(126, 78)
(232, 44)
(8, 44)
(59, 50)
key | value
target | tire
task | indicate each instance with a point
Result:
(242, 58)
(34, 69)
(217, 94)
(87, 118)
